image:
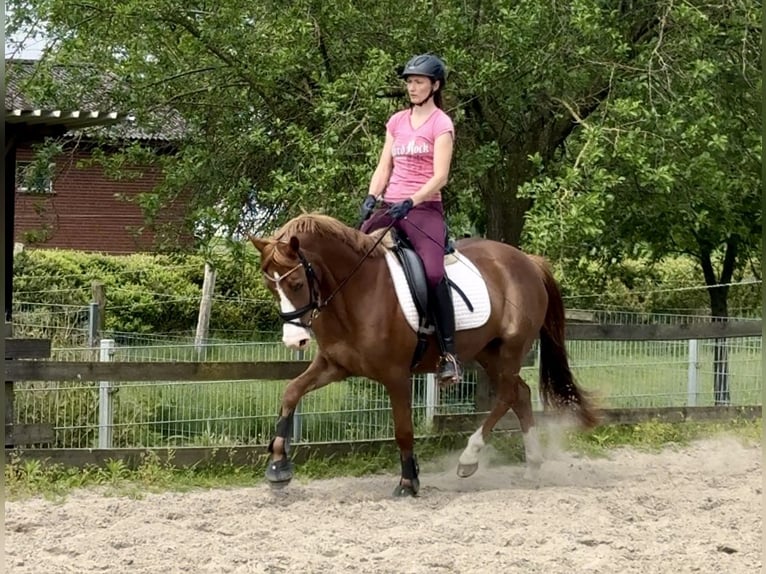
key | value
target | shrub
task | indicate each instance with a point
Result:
(145, 293)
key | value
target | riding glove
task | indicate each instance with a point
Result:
(401, 209)
(367, 206)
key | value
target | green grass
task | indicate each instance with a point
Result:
(32, 478)
(652, 436)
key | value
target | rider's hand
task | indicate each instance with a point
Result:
(367, 206)
(401, 209)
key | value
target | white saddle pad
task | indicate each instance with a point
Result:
(464, 274)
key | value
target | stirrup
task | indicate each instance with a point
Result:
(449, 371)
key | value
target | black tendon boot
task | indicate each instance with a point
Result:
(449, 371)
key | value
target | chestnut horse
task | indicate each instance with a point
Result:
(333, 280)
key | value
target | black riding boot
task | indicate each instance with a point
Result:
(449, 370)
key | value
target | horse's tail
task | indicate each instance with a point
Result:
(557, 385)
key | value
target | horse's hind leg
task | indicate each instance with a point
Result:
(522, 408)
(491, 360)
(503, 366)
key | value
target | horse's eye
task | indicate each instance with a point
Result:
(297, 286)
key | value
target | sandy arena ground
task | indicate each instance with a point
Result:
(691, 509)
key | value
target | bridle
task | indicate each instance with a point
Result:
(316, 304)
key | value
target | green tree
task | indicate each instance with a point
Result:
(284, 102)
(671, 166)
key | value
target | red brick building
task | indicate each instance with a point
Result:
(69, 201)
(79, 207)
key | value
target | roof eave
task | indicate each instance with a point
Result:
(74, 119)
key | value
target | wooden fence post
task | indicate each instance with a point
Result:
(93, 332)
(203, 321)
(24, 433)
(98, 296)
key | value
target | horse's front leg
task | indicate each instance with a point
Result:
(401, 405)
(320, 372)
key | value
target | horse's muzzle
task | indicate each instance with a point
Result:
(295, 337)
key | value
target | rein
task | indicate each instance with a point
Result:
(356, 267)
(315, 304)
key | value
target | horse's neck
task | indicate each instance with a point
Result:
(337, 259)
(343, 269)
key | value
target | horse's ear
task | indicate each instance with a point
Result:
(259, 243)
(295, 244)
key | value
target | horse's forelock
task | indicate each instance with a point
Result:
(273, 254)
(280, 257)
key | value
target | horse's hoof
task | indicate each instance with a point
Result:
(411, 489)
(466, 470)
(279, 473)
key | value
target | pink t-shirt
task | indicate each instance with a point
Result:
(413, 153)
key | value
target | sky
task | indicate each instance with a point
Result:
(31, 51)
(31, 48)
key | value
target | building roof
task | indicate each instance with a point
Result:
(24, 106)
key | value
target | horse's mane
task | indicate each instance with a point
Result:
(321, 225)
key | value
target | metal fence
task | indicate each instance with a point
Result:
(99, 414)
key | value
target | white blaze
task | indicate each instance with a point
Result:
(292, 335)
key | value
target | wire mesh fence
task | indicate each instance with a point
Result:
(607, 316)
(633, 374)
(67, 325)
(620, 374)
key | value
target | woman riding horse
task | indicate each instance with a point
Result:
(333, 282)
(413, 168)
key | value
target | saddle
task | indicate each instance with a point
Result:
(414, 275)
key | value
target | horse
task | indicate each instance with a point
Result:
(332, 281)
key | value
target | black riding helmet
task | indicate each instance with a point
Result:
(425, 65)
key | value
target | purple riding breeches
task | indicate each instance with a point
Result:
(424, 226)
